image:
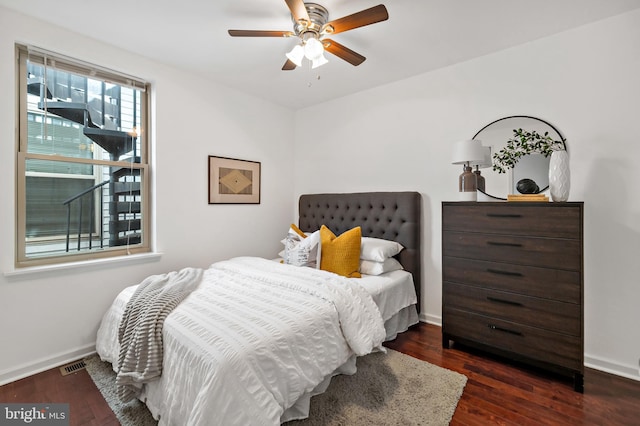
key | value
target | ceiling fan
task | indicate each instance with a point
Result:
(311, 25)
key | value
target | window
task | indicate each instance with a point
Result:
(83, 172)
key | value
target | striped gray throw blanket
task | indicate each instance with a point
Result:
(140, 331)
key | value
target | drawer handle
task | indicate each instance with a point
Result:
(506, 330)
(504, 302)
(509, 273)
(504, 215)
(495, 243)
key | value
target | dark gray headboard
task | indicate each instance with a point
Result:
(395, 216)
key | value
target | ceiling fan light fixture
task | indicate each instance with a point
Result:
(319, 62)
(296, 55)
(313, 49)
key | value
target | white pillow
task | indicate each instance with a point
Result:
(300, 251)
(284, 242)
(377, 249)
(376, 268)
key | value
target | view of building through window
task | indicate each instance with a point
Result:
(83, 158)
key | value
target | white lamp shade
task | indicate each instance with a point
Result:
(319, 62)
(296, 55)
(467, 152)
(313, 49)
(486, 161)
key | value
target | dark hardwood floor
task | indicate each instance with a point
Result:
(497, 391)
(503, 393)
(86, 405)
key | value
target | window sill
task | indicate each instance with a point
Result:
(85, 264)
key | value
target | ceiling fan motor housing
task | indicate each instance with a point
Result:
(318, 17)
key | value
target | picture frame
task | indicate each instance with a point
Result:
(233, 181)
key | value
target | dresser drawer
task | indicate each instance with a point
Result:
(535, 312)
(539, 220)
(531, 342)
(533, 251)
(556, 284)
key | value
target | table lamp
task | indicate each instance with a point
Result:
(485, 163)
(466, 153)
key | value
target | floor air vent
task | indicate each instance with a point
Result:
(72, 368)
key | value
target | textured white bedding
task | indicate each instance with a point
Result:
(391, 292)
(257, 336)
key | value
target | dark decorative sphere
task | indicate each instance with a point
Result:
(527, 186)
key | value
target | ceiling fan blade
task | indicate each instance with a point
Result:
(298, 10)
(343, 52)
(359, 19)
(288, 66)
(260, 33)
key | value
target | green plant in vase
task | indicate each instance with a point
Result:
(524, 143)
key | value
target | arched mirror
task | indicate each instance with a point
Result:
(533, 166)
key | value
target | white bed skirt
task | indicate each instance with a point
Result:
(394, 325)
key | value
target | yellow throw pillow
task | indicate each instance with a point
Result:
(341, 255)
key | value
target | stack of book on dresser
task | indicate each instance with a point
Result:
(527, 197)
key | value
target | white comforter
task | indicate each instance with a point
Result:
(250, 340)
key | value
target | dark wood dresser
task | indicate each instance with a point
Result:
(512, 278)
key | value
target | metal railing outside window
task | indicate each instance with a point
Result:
(82, 160)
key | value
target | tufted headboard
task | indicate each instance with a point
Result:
(395, 216)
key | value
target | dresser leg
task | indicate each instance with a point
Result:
(445, 341)
(578, 382)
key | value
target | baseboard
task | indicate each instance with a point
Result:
(601, 364)
(430, 319)
(611, 367)
(44, 364)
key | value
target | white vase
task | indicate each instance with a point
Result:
(559, 176)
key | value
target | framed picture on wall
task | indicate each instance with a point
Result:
(233, 181)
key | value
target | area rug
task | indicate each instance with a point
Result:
(388, 389)
(133, 413)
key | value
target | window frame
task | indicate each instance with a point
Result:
(46, 58)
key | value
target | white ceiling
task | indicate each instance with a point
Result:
(420, 36)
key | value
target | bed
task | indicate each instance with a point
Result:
(236, 351)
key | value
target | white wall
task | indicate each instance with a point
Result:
(53, 317)
(586, 82)
(395, 137)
